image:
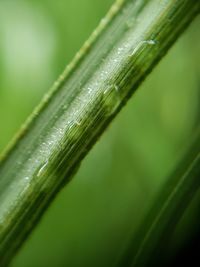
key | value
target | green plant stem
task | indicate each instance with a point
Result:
(121, 52)
(149, 243)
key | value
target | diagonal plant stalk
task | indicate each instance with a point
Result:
(149, 243)
(121, 52)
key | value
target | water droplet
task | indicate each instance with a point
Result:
(73, 124)
(42, 168)
(120, 50)
(116, 88)
(135, 49)
(150, 42)
(90, 90)
(77, 123)
(112, 100)
(141, 43)
(70, 124)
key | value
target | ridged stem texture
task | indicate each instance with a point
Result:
(121, 52)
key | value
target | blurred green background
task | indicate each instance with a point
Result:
(90, 220)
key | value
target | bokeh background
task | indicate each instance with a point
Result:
(90, 220)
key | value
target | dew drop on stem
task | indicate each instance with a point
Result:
(42, 168)
(111, 98)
